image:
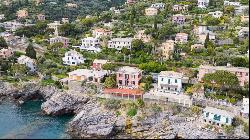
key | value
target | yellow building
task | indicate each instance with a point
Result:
(167, 49)
(22, 13)
(151, 11)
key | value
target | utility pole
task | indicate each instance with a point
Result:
(124, 59)
(129, 58)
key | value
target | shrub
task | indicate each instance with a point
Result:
(195, 109)
(156, 108)
(246, 128)
(140, 103)
(112, 104)
(132, 112)
(117, 113)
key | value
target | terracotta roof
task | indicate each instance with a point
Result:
(123, 91)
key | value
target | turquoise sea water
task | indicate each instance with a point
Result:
(27, 122)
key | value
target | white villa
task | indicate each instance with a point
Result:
(216, 14)
(203, 3)
(245, 107)
(90, 44)
(170, 81)
(217, 116)
(159, 6)
(54, 25)
(28, 62)
(231, 3)
(119, 43)
(73, 58)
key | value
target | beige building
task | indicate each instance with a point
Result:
(244, 18)
(142, 36)
(151, 11)
(197, 47)
(22, 13)
(167, 49)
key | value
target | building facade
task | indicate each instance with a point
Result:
(216, 14)
(167, 49)
(61, 39)
(22, 13)
(178, 19)
(6, 53)
(100, 32)
(159, 6)
(181, 38)
(245, 107)
(41, 17)
(151, 11)
(203, 3)
(128, 77)
(86, 75)
(170, 81)
(25, 60)
(142, 36)
(180, 8)
(73, 58)
(98, 63)
(217, 116)
(119, 43)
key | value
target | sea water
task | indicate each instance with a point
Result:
(27, 122)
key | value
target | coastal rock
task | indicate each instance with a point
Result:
(91, 122)
(64, 103)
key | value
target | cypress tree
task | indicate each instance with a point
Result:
(3, 43)
(30, 51)
(206, 41)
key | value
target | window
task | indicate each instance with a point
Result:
(168, 88)
(168, 81)
(120, 82)
(133, 82)
(217, 117)
(226, 120)
(207, 114)
(162, 79)
(120, 75)
(175, 80)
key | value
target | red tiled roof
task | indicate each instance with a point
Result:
(124, 91)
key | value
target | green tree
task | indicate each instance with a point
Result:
(221, 80)
(30, 51)
(19, 70)
(3, 43)
(109, 66)
(110, 82)
(137, 45)
(206, 41)
(239, 62)
(54, 48)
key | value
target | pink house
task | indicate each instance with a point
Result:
(97, 64)
(240, 72)
(178, 19)
(128, 77)
(181, 38)
(131, 1)
(56, 39)
(41, 17)
(6, 53)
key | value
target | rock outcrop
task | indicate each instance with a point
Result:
(92, 122)
(64, 103)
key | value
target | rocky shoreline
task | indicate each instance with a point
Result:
(91, 120)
